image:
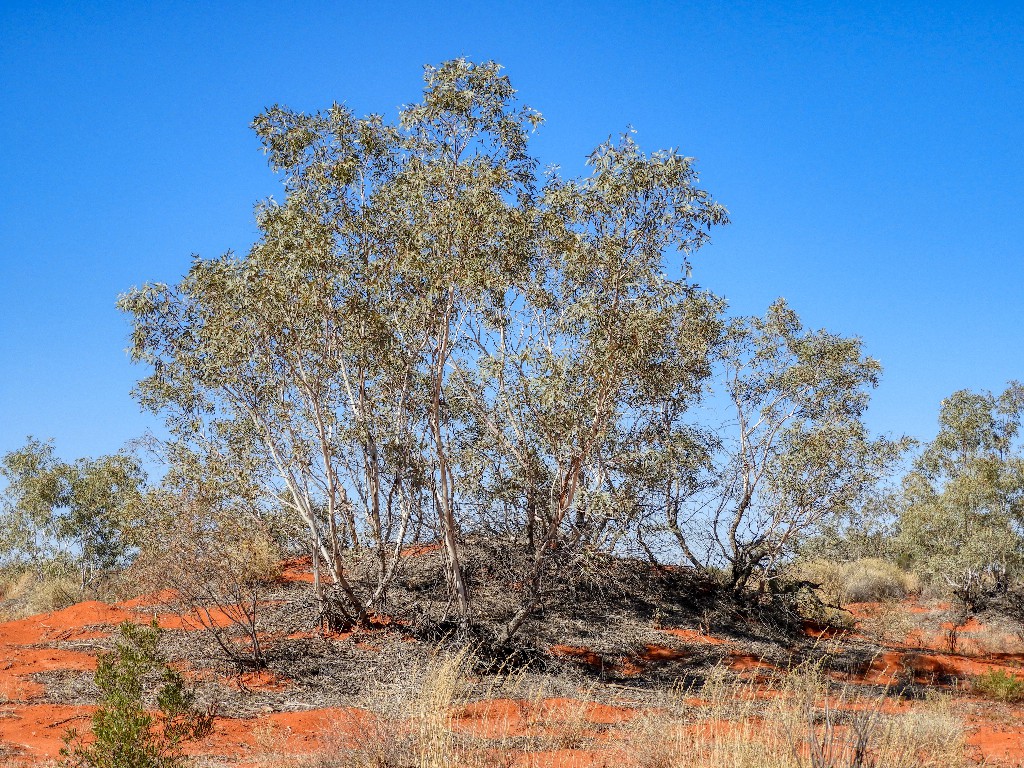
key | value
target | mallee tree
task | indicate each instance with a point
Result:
(435, 337)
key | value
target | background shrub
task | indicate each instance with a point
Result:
(873, 579)
(860, 581)
(1000, 685)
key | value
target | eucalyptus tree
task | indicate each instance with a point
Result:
(962, 509)
(461, 221)
(793, 452)
(82, 513)
(36, 486)
(276, 369)
(318, 363)
(576, 369)
(104, 511)
(431, 331)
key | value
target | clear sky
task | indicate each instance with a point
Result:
(870, 156)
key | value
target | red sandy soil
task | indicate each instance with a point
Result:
(415, 550)
(298, 569)
(923, 659)
(28, 728)
(695, 636)
(657, 654)
(496, 718)
(36, 730)
(292, 733)
(999, 744)
(32, 730)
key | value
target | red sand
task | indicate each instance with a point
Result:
(299, 570)
(415, 550)
(283, 732)
(33, 731)
(584, 656)
(999, 744)
(694, 636)
(37, 730)
(497, 718)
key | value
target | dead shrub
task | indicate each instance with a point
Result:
(217, 576)
(888, 624)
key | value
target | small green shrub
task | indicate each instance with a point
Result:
(1000, 685)
(124, 734)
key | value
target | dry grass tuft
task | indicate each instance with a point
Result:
(805, 724)
(24, 593)
(413, 726)
(997, 636)
(860, 581)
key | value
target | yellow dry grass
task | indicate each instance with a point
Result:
(805, 721)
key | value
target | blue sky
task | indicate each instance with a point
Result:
(869, 155)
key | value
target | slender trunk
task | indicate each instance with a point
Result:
(389, 574)
(443, 491)
(318, 590)
(451, 547)
(332, 557)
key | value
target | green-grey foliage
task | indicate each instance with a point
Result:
(80, 513)
(867, 529)
(124, 734)
(963, 502)
(434, 336)
(792, 455)
(1000, 685)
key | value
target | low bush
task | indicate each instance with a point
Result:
(1000, 685)
(826, 574)
(873, 579)
(890, 624)
(124, 734)
(216, 577)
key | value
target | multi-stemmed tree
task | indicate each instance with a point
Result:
(434, 337)
(792, 452)
(425, 301)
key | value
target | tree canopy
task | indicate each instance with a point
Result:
(962, 511)
(80, 513)
(435, 337)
